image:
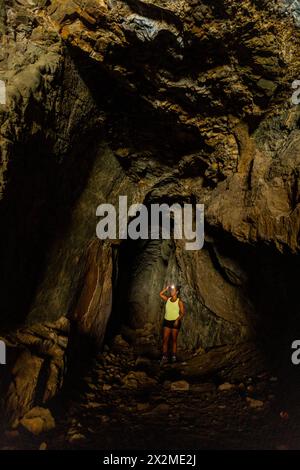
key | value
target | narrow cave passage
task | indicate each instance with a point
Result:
(142, 269)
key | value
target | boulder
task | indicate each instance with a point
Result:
(253, 403)
(180, 386)
(138, 380)
(38, 420)
(226, 386)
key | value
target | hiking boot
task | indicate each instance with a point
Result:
(163, 360)
(174, 358)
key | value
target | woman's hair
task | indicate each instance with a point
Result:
(178, 289)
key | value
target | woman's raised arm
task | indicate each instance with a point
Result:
(162, 294)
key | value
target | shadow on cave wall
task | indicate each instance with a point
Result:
(271, 283)
(274, 292)
(36, 209)
(132, 121)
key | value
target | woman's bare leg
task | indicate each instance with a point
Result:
(174, 340)
(166, 336)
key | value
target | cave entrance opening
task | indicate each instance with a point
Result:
(142, 268)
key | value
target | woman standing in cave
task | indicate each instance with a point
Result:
(174, 312)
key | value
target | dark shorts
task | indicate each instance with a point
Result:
(170, 324)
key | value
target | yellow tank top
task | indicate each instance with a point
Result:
(172, 310)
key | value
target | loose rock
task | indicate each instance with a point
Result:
(225, 387)
(38, 420)
(180, 385)
(254, 403)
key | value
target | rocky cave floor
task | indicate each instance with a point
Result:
(224, 398)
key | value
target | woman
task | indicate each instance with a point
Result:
(174, 313)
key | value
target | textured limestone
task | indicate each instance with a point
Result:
(36, 367)
(95, 300)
